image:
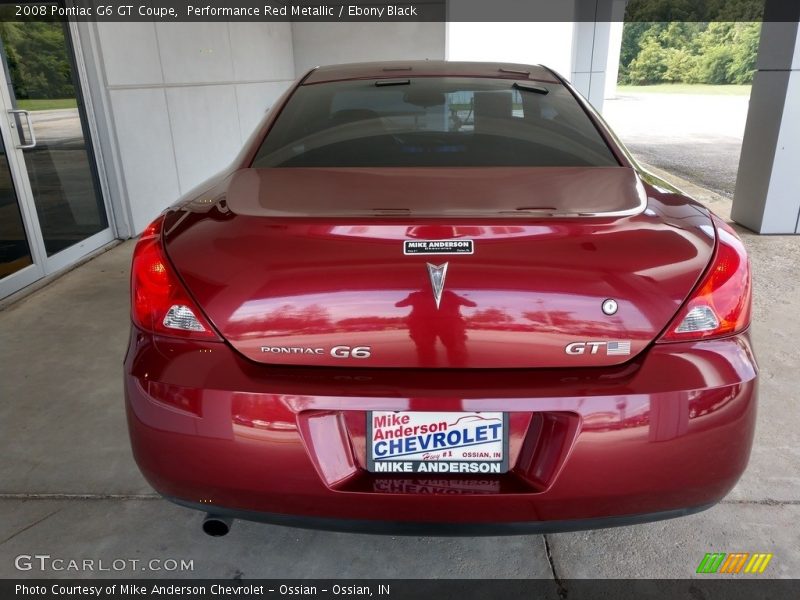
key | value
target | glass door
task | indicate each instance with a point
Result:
(16, 253)
(51, 205)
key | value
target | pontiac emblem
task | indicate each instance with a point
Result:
(437, 275)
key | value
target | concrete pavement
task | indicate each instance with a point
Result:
(695, 136)
(150, 529)
(56, 126)
(69, 487)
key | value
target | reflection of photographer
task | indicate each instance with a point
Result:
(426, 323)
(456, 122)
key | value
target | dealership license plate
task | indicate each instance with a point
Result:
(437, 442)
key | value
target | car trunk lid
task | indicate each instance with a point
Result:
(438, 267)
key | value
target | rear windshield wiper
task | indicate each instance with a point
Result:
(383, 82)
(530, 87)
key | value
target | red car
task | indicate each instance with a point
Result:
(439, 297)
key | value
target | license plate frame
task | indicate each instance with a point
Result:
(460, 460)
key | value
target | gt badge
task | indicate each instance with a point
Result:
(612, 348)
(438, 247)
(437, 275)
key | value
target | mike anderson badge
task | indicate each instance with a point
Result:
(438, 247)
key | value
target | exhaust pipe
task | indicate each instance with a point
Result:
(216, 526)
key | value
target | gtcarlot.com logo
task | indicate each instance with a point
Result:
(45, 562)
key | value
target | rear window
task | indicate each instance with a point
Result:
(433, 121)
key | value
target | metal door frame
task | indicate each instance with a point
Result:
(42, 264)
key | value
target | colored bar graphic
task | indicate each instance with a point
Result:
(758, 563)
(720, 562)
(711, 562)
(734, 562)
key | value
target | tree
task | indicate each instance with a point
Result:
(745, 52)
(649, 65)
(694, 10)
(681, 66)
(689, 52)
(37, 56)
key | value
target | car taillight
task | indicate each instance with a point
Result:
(720, 304)
(159, 302)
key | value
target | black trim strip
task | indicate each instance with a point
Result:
(436, 529)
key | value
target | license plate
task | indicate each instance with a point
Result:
(437, 443)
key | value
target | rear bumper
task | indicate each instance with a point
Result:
(387, 527)
(666, 434)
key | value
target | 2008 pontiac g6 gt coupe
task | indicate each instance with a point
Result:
(443, 297)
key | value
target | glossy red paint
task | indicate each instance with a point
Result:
(271, 264)
(531, 287)
(210, 426)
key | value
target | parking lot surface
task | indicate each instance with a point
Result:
(69, 487)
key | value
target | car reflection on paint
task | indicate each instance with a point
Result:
(423, 239)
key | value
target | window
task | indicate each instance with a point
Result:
(432, 121)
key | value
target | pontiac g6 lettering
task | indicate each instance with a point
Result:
(294, 350)
(348, 352)
(452, 271)
(336, 351)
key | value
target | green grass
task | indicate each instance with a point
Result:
(686, 88)
(49, 104)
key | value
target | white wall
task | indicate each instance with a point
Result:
(184, 97)
(318, 44)
(549, 44)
